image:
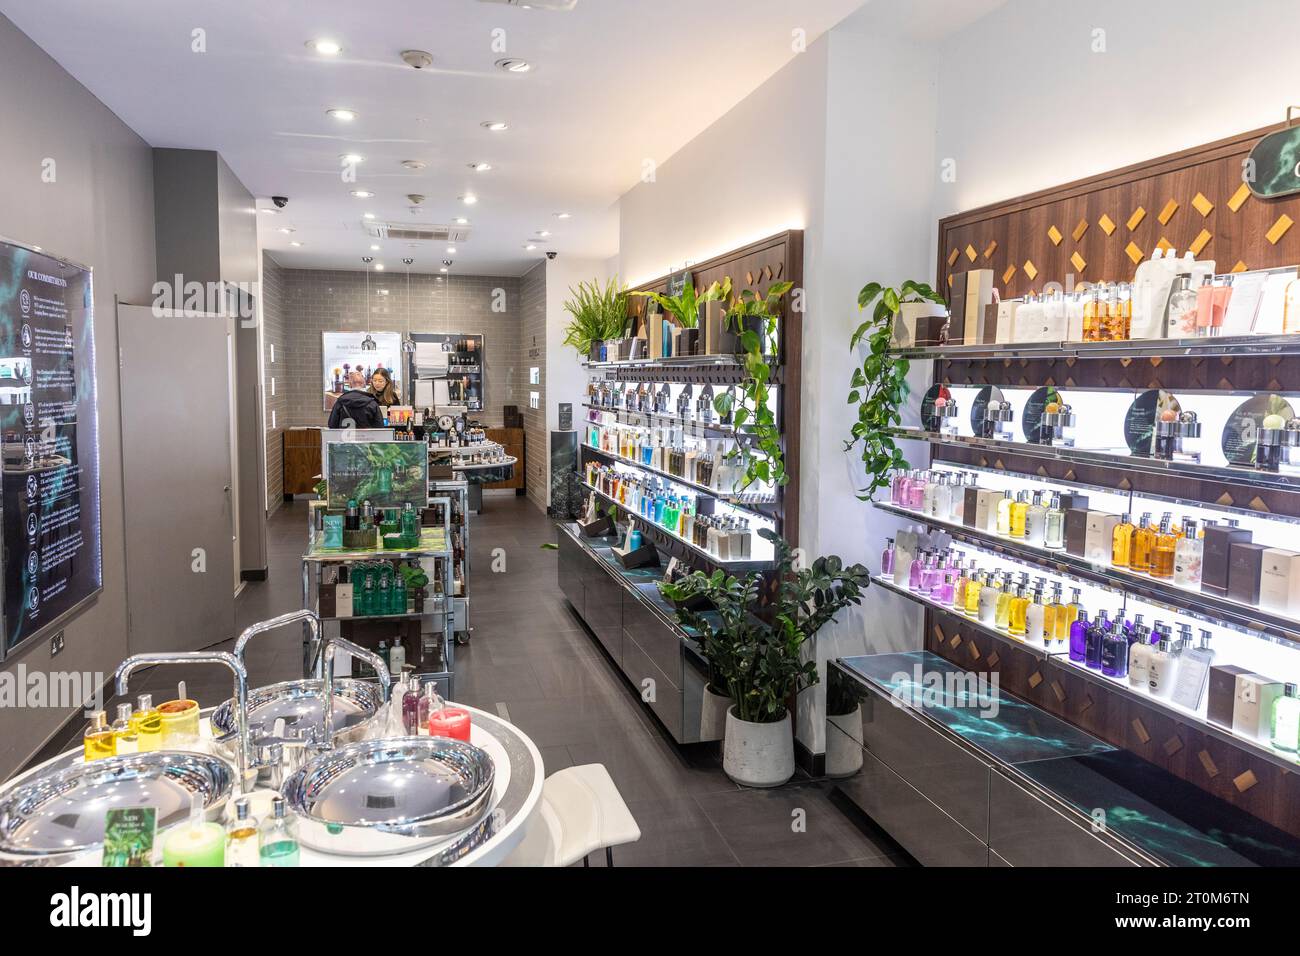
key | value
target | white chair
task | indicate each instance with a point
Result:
(580, 811)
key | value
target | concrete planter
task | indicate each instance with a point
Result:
(843, 752)
(758, 755)
(713, 715)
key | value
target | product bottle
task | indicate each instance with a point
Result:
(887, 560)
(1286, 720)
(1036, 521)
(1193, 672)
(988, 601)
(1035, 615)
(242, 837)
(1051, 608)
(278, 846)
(1020, 516)
(1140, 654)
(1162, 555)
(974, 595)
(1144, 540)
(125, 739)
(1054, 525)
(411, 706)
(1079, 639)
(98, 739)
(1018, 620)
(916, 573)
(1188, 553)
(148, 724)
(1004, 516)
(1122, 543)
(1002, 607)
(1071, 613)
(396, 657)
(1114, 653)
(941, 505)
(1092, 646)
(1162, 670)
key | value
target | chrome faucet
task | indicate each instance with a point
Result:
(308, 617)
(136, 661)
(327, 688)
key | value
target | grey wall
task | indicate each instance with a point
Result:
(532, 305)
(316, 301)
(275, 384)
(99, 211)
(186, 214)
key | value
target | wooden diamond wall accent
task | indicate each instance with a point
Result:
(991, 248)
(1239, 197)
(1164, 245)
(994, 660)
(1008, 275)
(1031, 270)
(974, 650)
(1087, 702)
(1140, 729)
(1202, 205)
(952, 257)
(1135, 220)
(1284, 222)
(1133, 252)
(1078, 261)
(938, 633)
(1035, 679)
(1211, 768)
(1244, 781)
(970, 252)
(1079, 230)
(1173, 745)
(1055, 235)
(1058, 690)
(1224, 500)
(1257, 504)
(1200, 242)
(955, 642)
(1167, 213)
(1107, 224)
(1239, 267)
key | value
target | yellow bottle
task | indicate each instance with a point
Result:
(125, 739)
(1004, 516)
(1144, 540)
(1068, 615)
(1002, 612)
(1018, 612)
(98, 740)
(1019, 512)
(147, 722)
(972, 605)
(1122, 543)
(1091, 324)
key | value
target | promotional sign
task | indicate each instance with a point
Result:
(387, 474)
(50, 478)
(1275, 161)
(348, 362)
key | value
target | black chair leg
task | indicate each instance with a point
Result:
(609, 856)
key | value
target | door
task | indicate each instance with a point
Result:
(174, 377)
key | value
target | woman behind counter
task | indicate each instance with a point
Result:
(381, 386)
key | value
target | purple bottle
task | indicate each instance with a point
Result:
(1093, 641)
(411, 707)
(887, 560)
(1114, 653)
(914, 576)
(943, 592)
(1079, 638)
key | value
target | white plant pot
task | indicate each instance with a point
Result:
(758, 755)
(713, 715)
(843, 752)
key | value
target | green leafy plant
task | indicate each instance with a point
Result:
(685, 308)
(754, 649)
(879, 386)
(599, 313)
(758, 439)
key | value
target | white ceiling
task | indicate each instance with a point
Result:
(614, 82)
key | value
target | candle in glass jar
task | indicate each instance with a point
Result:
(189, 844)
(450, 722)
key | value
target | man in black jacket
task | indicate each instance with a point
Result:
(358, 408)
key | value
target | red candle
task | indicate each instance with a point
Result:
(450, 722)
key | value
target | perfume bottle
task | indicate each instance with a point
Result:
(241, 836)
(1054, 525)
(1114, 653)
(1019, 515)
(887, 560)
(125, 739)
(1188, 553)
(98, 740)
(974, 595)
(1286, 720)
(411, 706)
(988, 601)
(1004, 515)
(1017, 618)
(1144, 540)
(1079, 639)
(1036, 521)
(1193, 673)
(1122, 543)
(148, 724)
(1092, 646)
(1162, 555)
(277, 843)
(1162, 669)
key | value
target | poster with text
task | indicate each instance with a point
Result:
(50, 477)
(349, 360)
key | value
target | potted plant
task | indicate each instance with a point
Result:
(685, 308)
(879, 386)
(753, 640)
(599, 314)
(758, 438)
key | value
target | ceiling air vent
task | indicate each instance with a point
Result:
(408, 231)
(562, 5)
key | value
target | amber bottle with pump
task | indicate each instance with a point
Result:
(1122, 543)
(1162, 555)
(1144, 541)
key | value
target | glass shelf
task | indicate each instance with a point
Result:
(628, 417)
(1229, 474)
(1061, 659)
(1198, 604)
(1128, 348)
(758, 508)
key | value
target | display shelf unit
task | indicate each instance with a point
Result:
(455, 492)
(757, 507)
(1196, 603)
(1227, 346)
(628, 417)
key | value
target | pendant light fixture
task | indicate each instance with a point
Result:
(408, 343)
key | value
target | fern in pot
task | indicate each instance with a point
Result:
(753, 638)
(599, 315)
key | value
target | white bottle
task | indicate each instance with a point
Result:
(941, 501)
(989, 602)
(396, 658)
(1034, 619)
(1139, 661)
(1188, 553)
(957, 509)
(1193, 672)
(1036, 521)
(1162, 670)
(927, 496)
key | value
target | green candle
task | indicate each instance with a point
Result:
(195, 845)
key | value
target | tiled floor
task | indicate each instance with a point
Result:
(531, 661)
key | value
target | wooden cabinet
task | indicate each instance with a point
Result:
(512, 440)
(301, 456)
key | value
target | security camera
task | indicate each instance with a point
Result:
(551, 254)
(446, 262)
(280, 201)
(407, 261)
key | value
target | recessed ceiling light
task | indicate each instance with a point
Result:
(374, 248)
(461, 221)
(513, 64)
(480, 167)
(343, 116)
(495, 126)
(413, 164)
(352, 159)
(362, 193)
(271, 212)
(530, 247)
(443, 269)
(367, 215)
(287, 229)
(325, 47)
(295, 242)
(563, 215)
(379, 267)
(383, 292)
(543, 233)
(469, 199)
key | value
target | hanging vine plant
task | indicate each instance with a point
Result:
(879, 386)
(753, 318)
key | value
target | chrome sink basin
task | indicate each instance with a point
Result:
(378, 797)
(62, 811)
(358, 707)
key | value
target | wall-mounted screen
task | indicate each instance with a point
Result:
(447, 370)
(50, 478)
(350, 359)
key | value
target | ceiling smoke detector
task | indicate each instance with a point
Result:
(415, 198)
(413, 164)
(417, 59)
